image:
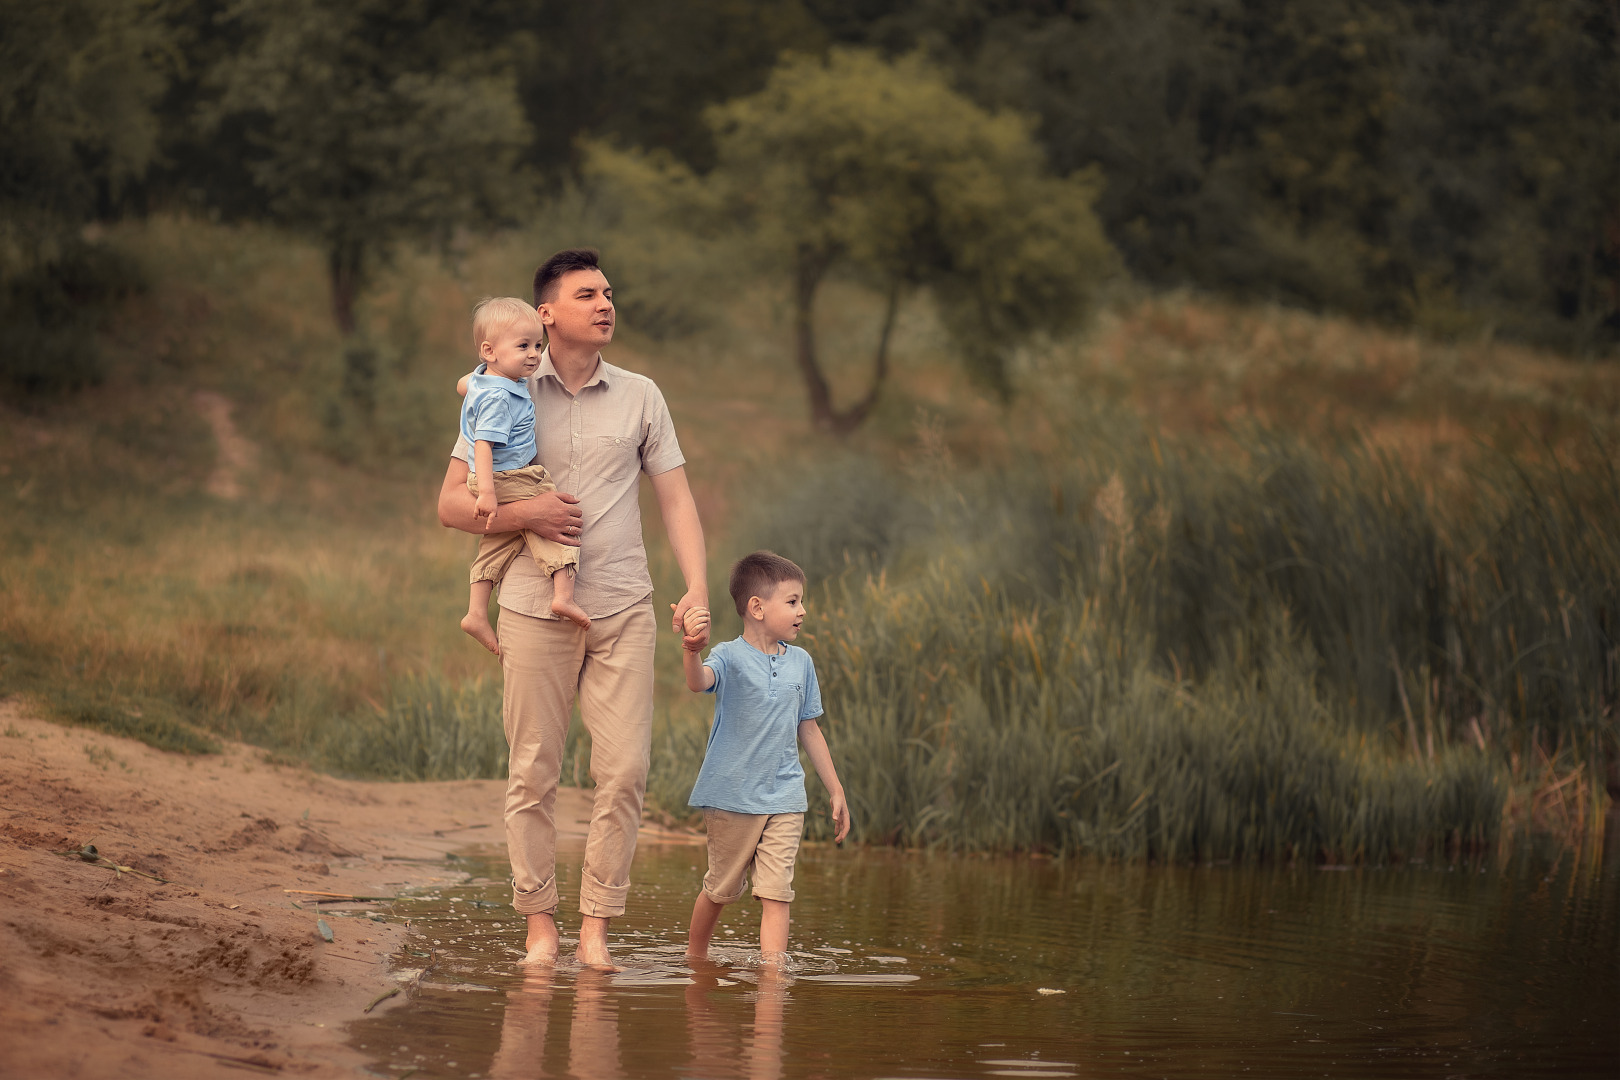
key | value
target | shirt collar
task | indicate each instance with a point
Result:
(600, 375)
(482, 380)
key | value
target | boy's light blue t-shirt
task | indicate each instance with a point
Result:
(498, 411)
(752, 765)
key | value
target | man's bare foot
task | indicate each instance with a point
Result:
(593, 950)
(567, 609)
(541, 942)
(481, 632)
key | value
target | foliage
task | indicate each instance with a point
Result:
(374, 124)
(1145, 652)
(1447, 164)
(879, 169)
(79, 81)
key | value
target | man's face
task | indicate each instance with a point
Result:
(582, 313)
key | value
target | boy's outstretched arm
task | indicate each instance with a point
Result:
(695, 628)
(815, 744)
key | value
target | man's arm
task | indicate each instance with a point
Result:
(554, 515)
(685, 533)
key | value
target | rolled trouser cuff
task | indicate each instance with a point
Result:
(541, 901)
(599, 900)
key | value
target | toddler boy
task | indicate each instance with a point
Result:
(497, 419)
(751, 785)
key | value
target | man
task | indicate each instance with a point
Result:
(598, 428)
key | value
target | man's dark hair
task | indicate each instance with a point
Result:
(758, 575)
(564, 262)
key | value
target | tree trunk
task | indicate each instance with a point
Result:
(811, 268)
(343, 267)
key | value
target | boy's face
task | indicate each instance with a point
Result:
(782, 612)
(582, 311)
(515, 352)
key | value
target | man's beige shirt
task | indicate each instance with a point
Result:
(596, 444)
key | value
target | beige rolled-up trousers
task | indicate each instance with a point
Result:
(610, 666)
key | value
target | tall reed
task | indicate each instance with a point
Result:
(1146, 652)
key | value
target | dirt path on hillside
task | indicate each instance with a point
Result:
(107, 974)
(235, 452)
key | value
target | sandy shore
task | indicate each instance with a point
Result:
(107, 974)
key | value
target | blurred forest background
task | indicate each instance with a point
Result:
(1198, 416)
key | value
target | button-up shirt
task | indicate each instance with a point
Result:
(596, 444)
(499, 412)
(752, 765)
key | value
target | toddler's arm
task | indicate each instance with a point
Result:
(486, 508)
(695, 627)
(815, 744)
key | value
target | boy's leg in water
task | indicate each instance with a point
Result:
(773, 931)
(705, 914)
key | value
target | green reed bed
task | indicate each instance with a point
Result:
(1149, 653)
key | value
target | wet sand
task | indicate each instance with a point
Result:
(113, 974)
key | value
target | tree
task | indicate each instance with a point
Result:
(854, 164)
(375, 123)
(78, 84)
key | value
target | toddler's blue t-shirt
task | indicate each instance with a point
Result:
(499, 411)
(752, 765)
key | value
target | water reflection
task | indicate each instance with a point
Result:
(967, 968)
(719, 1048)
(523, 1030)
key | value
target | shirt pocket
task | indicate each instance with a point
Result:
(616, 456)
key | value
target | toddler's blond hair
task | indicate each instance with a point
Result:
(493, 314)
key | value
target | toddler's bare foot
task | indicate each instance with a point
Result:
(481, 632)
(567, 609)
(541, 941)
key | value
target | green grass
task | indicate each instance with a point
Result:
(1220, 584)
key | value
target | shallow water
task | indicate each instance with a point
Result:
(916, 965)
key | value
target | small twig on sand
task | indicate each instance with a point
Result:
(380, 998)
(338, 898)
(89, 854)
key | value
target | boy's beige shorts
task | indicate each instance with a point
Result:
(497, 550)
(767, 842)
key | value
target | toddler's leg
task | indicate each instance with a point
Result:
(773, 932)
(705, 914)
(476, 621)
(562, 599)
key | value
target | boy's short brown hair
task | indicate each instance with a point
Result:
(759, 574)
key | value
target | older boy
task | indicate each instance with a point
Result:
(751, 785)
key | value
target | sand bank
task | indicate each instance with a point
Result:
(106, 974)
